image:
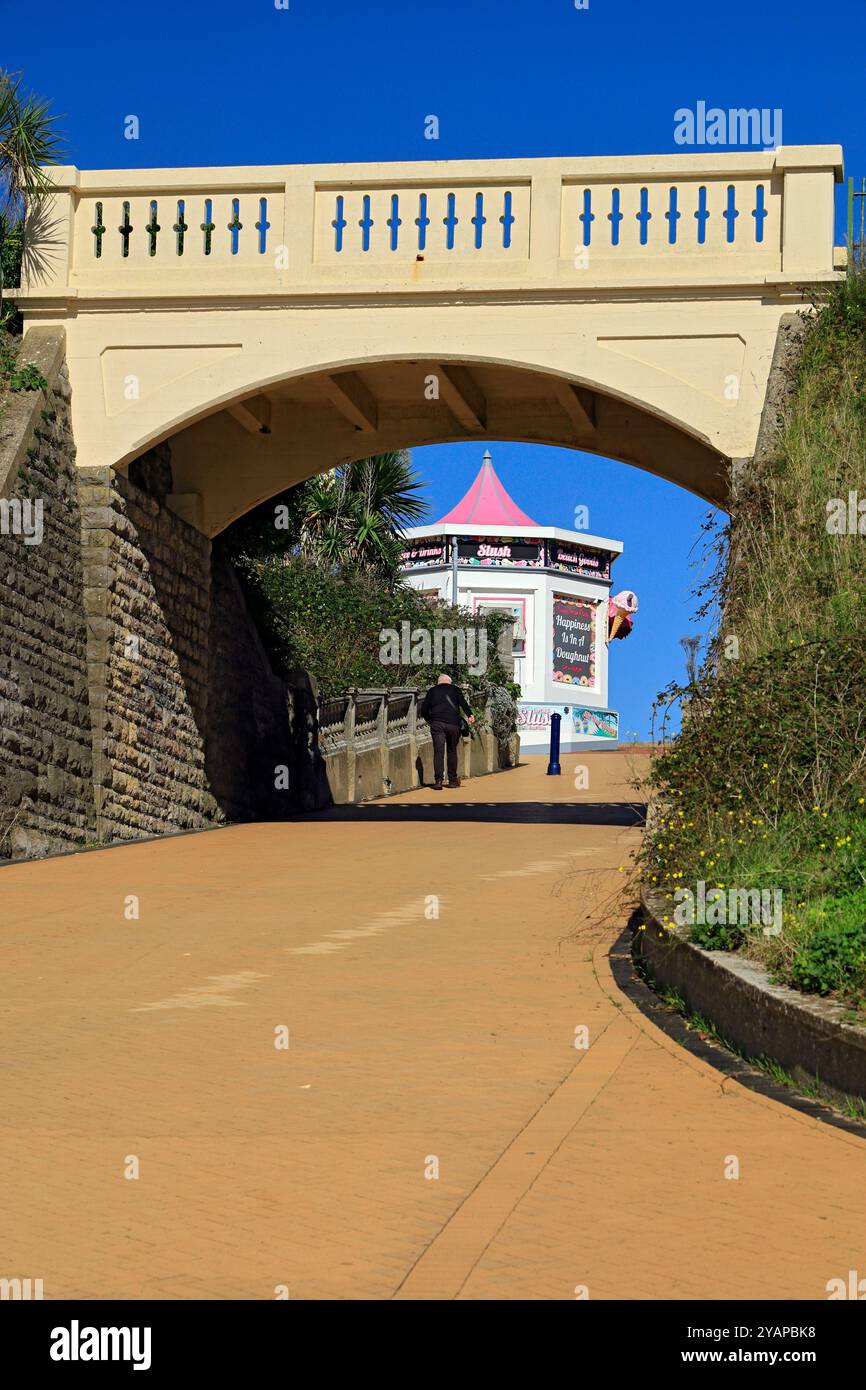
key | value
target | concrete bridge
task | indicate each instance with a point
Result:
(271, 322)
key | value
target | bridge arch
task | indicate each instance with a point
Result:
(250, 446)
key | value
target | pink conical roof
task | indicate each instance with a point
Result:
(486, 503)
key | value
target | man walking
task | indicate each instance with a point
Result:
(441, 707)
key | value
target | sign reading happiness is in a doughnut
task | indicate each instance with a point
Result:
(573, 641)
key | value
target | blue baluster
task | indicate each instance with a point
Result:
(235, 226)
(395, 222)
(339, 224)
(673, 218)
(450, 222)
(587, 217)
(701, 215)
(507, 221)
(98, 229)
(181, 226)
(478, 220)
(126, 230)
(262, 225)
(643, 216)
(422, 222)
(760, 213)
(366, 224)
(208, 226)
(152, 229)
(730, 213)
(614, 217)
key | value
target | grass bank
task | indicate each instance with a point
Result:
(765, 788)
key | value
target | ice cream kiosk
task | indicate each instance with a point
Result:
(487, 554)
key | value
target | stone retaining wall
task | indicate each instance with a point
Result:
(147, 600)
(46, 769)
(136, 698)
(250, 736)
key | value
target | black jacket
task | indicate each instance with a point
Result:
(442, 705)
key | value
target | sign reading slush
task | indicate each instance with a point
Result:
(501, 550)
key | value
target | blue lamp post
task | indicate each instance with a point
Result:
(553, 768)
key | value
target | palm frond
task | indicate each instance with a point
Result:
(391, 486)
(30, 141)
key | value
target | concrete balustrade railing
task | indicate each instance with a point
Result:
(686, 218)
(374, 743)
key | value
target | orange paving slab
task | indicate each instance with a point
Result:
(431, 1131)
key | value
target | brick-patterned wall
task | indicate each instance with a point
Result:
(136, 698)
(249, 735)
(45, 752)
(147, 600)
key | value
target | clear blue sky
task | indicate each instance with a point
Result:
(246, 83)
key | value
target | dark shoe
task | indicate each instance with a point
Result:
(437, 786)
(455, 783)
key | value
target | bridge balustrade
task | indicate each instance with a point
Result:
(552, 221)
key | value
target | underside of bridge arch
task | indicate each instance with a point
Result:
(189, 720)
(253, 447)
(176, 717)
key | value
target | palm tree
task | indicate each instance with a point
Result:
(355, 515)
(388, 485)
(29, 143)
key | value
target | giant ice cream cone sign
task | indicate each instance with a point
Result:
(621, 609)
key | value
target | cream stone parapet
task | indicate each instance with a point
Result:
(721, 219)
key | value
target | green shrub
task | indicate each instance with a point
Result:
(328, 622)
(325, 584)
(717, 936)
(11, 251)
(831, 957)
(28, 378)
(8, 356)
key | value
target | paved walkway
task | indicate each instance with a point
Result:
(417, 1044)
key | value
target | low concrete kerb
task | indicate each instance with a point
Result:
(809, 1037)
